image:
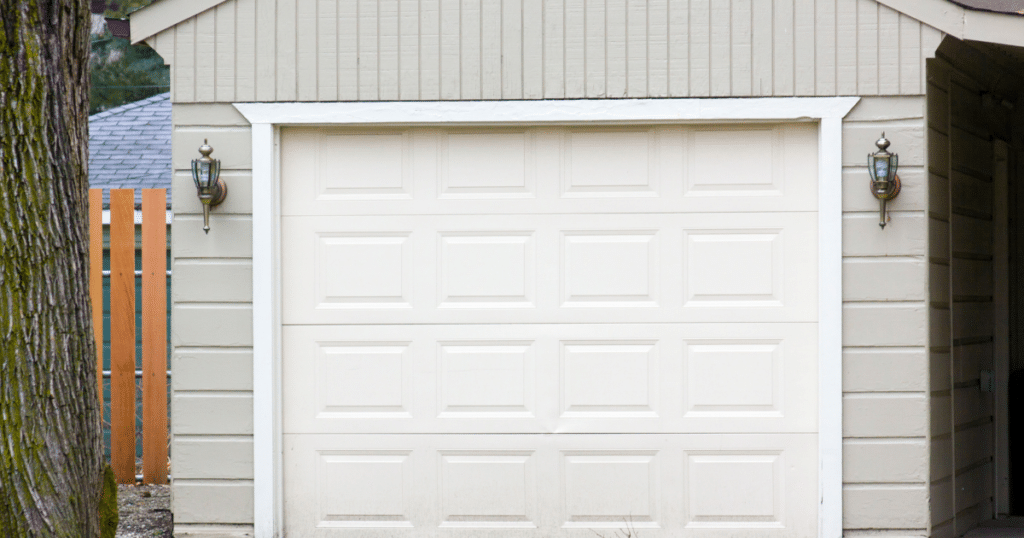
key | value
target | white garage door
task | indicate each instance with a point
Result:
(537, 331)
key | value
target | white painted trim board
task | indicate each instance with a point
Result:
(266, 118)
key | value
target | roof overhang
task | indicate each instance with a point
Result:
(964, 24)
(163, 14)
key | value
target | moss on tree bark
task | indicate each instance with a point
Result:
(51, 466)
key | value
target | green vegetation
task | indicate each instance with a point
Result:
(119, 71)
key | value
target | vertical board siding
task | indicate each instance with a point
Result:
(657, 48)
(720, 60)
(266, 59)
(512, 30)
(450, 44)
(617, 48)
(470, 45)
(408, 44)
(287, 51)
(574, 43)
(429, 51)
(847, 56)
(805, 42)
(348, 51)
(888, 51)
(636, 49)
(910, 54)
(206, 56)
(491, 54)
(327, 34)
(699, 38)
(595, 48)
(245, 52)
(533, 49)
(825, 47)
(369, 50)
(761, 58)
(867, 48)
(306, 54)
(388, 28)
(783, 47)
(741, 48)
(225, 51)
(679, 47)
(185, 73)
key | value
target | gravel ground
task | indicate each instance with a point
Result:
(145, 511)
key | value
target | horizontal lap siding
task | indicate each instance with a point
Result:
(940, 300)
(369, 50)
(212, 326)
(962, 294)
(885, 327)
(971, 327)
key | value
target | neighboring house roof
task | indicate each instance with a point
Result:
(130, 147)
(1015, 7)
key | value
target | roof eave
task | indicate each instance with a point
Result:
(961, 23)
(164, 14)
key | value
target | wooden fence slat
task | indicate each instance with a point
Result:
(122, 334)
(154, 336)
(96, 279)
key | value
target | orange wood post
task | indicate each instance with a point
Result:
(122, 334)
(96, 279)
(154, 336)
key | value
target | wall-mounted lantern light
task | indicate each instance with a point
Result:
(885, 184)
(209, 186)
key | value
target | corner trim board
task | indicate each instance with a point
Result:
(267, 118)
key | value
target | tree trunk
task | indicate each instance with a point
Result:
(51, 458)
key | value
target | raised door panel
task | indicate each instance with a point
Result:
(518, 170)
(714, 486)
(750, 267)
(551, 378)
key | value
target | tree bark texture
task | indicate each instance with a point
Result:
(51, 455)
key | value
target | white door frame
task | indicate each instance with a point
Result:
(267, 118)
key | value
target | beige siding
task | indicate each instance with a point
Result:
(885, 323)
(212, 330)
(370, 50)
(886, 384)
(961, 191)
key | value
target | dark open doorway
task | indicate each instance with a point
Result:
(975, 134)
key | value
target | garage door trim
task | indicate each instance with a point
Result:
(267, 118)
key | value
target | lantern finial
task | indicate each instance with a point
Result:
(882, 143)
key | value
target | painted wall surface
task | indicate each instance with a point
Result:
(885, 327)
(370, 50)
(962, 135)
(379, 50)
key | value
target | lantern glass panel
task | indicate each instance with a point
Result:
(893, 164)
(881, 169)
(204, 175)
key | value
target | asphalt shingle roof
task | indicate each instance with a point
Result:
(130, 147)
(999, 6)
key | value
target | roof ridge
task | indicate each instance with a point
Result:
(129, 106)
